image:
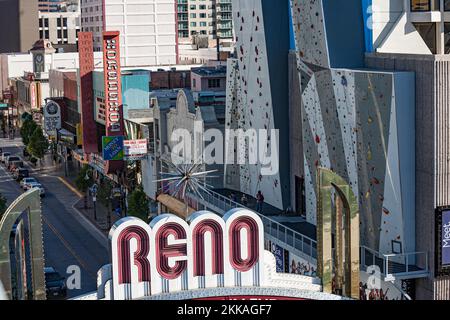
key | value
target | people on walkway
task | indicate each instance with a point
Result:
(259, 201)
(233, 197)
(244, 200)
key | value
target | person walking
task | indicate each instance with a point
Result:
(259, 201)
(244, 200)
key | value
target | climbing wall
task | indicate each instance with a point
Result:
(309, 29)
(350, 124)
(249, 101)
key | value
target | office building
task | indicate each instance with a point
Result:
(147, 29)
(59, 27)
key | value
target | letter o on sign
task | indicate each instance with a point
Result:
(236, 259)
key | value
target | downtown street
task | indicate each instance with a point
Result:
(69, 239)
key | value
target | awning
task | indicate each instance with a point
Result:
(175, 206)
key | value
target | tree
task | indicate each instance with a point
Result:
(3, 205)
(81, 182)
(27, 129)
(104, 192)
(38, 144)
(138, 204)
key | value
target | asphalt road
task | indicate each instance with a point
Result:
(69, 240)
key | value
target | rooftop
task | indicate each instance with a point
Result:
(210, 71)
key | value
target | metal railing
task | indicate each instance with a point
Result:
(395, 266)
(275, 229)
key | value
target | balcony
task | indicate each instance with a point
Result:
(297, 243)
(396, 266)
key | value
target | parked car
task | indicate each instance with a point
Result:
(20, 174)
(4, 156)
(54, 284)
(10, 159)
(27, 181)
(13, 165)
(39, 186)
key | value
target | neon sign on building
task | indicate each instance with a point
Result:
(171, 255)
(206, 257)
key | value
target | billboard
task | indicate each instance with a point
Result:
(445, 238)
(135, 148)
(278, 252)
(112, 148)
(52, 118)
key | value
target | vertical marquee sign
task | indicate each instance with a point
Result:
(445, 242)
(113, 92)
(442, 232)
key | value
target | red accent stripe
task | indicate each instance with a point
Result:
(198, 244)
(140, 256)
(236, 259)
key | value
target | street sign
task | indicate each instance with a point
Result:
(135, 147)
(3, 106)
(112, 148)
(52, 118)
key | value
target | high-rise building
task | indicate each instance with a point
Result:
(147, 29)
(59, 27)
(19, 22)
(211, 18)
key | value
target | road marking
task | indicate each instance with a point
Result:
(68, 185)
(67, 246)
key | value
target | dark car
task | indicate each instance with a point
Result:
(21, 173)
(55, 286)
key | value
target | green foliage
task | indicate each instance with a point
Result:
(38, 144)
(138, 204)
(3, 205)
(104, 192)
(81, 182)
(27, 130)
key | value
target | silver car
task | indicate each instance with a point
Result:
(26, 181)
(39, 186)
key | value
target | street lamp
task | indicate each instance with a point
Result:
(94, 199)
(86, 178)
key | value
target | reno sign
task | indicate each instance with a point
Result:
(205, 258)
(172, 255)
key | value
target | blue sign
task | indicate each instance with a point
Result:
(112, 148)
(278, 252)
(445, 238)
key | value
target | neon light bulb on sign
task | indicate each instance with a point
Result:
(171, 255)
